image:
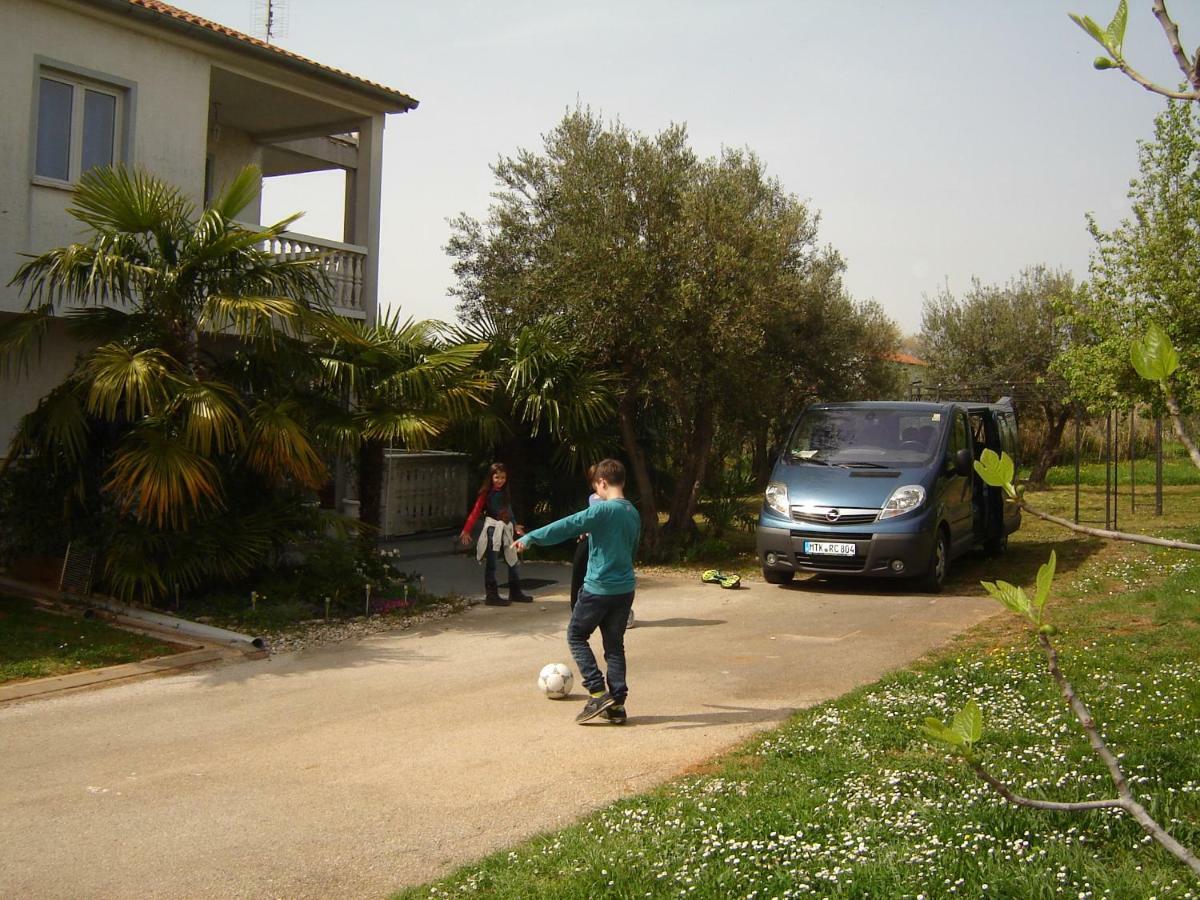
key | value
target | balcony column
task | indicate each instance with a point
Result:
(363, 193)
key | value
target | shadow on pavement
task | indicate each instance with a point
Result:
(723, 715)
(675, 623)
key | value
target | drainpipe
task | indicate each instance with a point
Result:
(170, 624)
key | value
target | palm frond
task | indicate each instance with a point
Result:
(120, 377)
(102, 324)
(111, 268)
(248, 316)
(278, 445)
(132, 201)
(57, 427)
(210, 415)
(159, 479)
(413, 430)
(238, 194)
(19, 334)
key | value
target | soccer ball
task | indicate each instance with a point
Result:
(555, 681)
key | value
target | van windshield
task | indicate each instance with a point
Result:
(866, 437)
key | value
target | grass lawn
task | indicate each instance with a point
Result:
(35, 644)
(848, 799)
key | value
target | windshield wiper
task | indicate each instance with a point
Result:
(863, 465)
(796, 457)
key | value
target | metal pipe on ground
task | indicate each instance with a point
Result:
(164, 623)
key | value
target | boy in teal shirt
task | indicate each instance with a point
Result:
(614, 527)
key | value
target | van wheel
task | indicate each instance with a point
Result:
(774, 576)
(939, 563)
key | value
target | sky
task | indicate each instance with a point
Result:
(939, 141)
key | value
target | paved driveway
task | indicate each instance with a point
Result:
(354, 770)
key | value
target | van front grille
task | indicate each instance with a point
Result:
(855, 518)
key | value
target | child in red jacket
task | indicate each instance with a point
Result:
(500, 531)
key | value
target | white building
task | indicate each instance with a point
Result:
(138, 82)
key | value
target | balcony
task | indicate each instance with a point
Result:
(344, 264)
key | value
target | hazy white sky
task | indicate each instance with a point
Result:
(938, 140)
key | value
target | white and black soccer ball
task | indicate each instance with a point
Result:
(555, 681)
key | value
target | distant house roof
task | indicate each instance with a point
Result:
(183, 22)
(905, 358)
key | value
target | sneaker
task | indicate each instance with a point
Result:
(518, 597)
(495, 600)
(616, 714)
(594, 707)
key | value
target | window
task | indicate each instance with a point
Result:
(958, 438)
(79, 126)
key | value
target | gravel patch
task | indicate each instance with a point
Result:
(319, 632)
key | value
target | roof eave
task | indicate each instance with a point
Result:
(395, 101)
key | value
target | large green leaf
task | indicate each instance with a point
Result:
(1010, 595)
(996, 471)
(968, 722)
(1153, 356)
(1095, 31)
(939, 732)
(1045, 578)
(1115, 35)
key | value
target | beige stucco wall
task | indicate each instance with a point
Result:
(170, 100)
(232, 150)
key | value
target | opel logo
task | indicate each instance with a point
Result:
(833, 515)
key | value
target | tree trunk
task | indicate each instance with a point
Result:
(1056, 422)
(691, 475)
(627, 416)
(1180, 431)
(370, 483)
(762, 456)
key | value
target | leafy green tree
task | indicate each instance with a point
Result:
(1005, 339)
(676, 271)
(1145, 270)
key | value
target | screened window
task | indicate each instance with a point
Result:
(78, 126)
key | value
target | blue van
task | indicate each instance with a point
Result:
(886, 489)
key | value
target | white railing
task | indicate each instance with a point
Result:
(343, 264)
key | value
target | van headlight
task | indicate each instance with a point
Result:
(777, 498)
(903, 499)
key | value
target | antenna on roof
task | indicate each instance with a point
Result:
(270, 19)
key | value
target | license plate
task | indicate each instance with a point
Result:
(827, 548)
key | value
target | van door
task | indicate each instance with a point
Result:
(958, 492)
(1010, 445)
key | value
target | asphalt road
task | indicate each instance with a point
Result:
(350, 771)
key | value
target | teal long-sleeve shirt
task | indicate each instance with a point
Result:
(613, 528)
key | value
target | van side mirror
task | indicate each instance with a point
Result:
(964, 463)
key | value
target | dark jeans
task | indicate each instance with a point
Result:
(609, 613)
(579, 568)
(489, 566)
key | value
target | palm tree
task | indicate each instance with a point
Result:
(218, 385)
(166, 298)
(147, 285)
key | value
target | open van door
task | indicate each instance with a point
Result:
(993, 427)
